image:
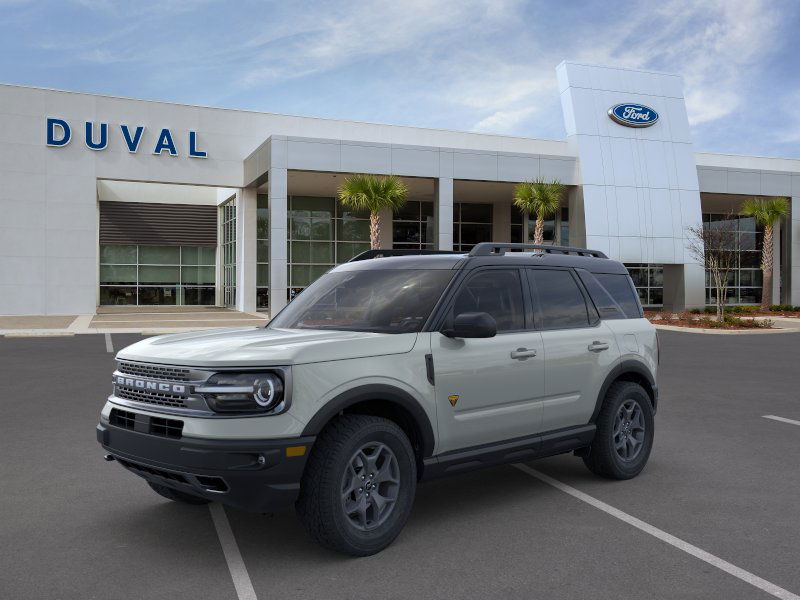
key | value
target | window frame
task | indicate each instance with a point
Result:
(450, 295)
(593, 318)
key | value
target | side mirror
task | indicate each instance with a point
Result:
(472, 325)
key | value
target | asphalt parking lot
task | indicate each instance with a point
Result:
(721, 478)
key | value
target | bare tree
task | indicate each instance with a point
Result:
(714, 245)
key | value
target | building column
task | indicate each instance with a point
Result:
(684, 287)
(443, 211)
(246, 249)
(278, 261)
(793, 270)
(501, 222)
(386, 238)
(776, 264)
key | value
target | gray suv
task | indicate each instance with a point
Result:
(395, 367)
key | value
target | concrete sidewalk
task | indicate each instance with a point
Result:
(130, 319)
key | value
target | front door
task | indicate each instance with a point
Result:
(489, 389)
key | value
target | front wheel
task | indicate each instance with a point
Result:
(359, 485)
(625, 429)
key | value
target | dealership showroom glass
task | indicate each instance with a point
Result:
(114, 201)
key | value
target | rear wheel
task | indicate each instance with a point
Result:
(359, 485)
(625, 429)
(176, 495)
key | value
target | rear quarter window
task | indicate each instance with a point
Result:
(621, 290)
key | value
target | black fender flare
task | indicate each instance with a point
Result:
(375, 391)
(622, 369)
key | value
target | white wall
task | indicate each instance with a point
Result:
(48, 195)
(639, 184)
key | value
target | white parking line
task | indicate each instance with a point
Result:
(746, 576)
(109, 344)
(241, 580)
(782, 419)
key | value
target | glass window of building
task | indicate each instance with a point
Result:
(472, 224)
(157, 275)
(413, 226)
(262, 252)
(556, 230)
(228, 237)
(745, 279)
(517, 220)
(322, 233)
(649, 282)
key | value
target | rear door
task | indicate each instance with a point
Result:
(579, 348)
(489, 389)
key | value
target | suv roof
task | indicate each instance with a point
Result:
(486, 253)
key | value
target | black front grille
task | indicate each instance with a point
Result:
(123, 418)
(171, 428)
(150, 397)
(154, 371)
(145, 470)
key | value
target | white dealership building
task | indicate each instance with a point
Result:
(117, 201)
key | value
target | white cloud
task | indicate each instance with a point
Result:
(504, 121)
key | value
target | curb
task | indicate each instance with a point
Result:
(724, 331)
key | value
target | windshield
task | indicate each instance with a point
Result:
(381, 301)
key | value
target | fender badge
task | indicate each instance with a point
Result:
(453, 399)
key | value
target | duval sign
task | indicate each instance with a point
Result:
(59, 134)
(633, 115)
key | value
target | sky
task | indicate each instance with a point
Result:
(471, 65)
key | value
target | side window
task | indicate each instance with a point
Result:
(606, 305)
(561, 302)
(620, 288)
(497, 292)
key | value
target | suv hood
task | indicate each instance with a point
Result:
(264, 347)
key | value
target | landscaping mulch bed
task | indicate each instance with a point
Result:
(703, 321)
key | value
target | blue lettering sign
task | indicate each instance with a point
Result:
(132, 142)
(633, 115)
(90, 143)
(165, 143)
(193, 151)
(64, 134)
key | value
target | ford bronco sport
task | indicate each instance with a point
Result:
(394, 367)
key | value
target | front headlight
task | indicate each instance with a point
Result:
(244, 392)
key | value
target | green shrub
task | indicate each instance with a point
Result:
(710, 310)
(783, 308)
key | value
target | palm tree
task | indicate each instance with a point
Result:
(766, 211)
(541, 198)
(373, 193)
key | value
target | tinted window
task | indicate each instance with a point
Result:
(619, 287)
(605, 304)
(561, 302)
(497, 292)
(382, 301)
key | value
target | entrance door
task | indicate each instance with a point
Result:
(489, 389)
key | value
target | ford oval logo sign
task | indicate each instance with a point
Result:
(633, 115)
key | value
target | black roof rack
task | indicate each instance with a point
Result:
(384, 252)
(490, 248)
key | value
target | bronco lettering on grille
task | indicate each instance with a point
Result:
(155, 386)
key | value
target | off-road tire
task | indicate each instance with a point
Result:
(603, 458)
(176, 495)
(320, 505)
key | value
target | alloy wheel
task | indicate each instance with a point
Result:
(629, 430)
(370, 486)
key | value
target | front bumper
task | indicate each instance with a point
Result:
(253, 475)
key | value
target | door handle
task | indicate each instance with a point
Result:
(598, 346)
(522, 353)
